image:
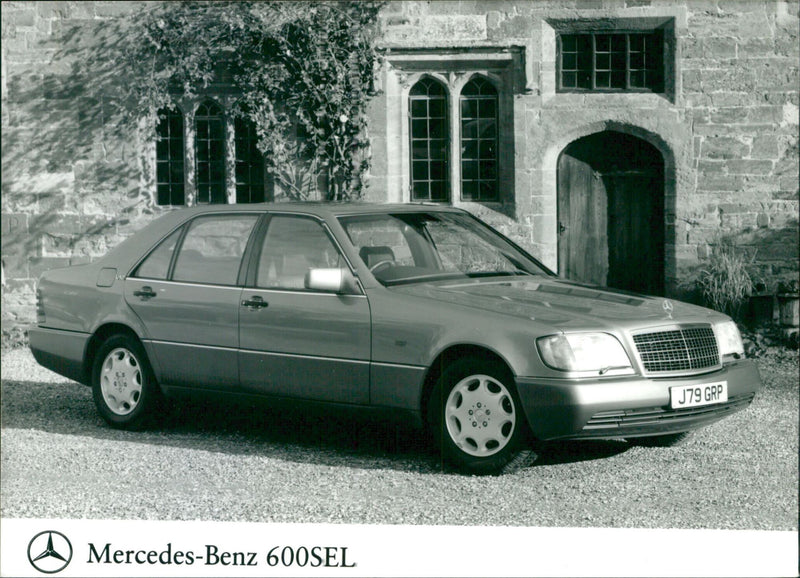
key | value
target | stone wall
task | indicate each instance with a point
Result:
(75, 181)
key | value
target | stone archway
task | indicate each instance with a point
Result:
(611, 212)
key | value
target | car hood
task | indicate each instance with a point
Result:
(562, 304)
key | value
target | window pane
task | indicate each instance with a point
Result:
(469, 149)
(162, 172)
(637, 79)
(156, 265)
(437, 108)
(421, 171)
(419, 108)
(292, 246)
(438, 128)
(213, 248)
(438, 191)
(469, 190)
(469, 170)
(618, 79)
(488, 149)
(419, 128)
(469, 108)
(438, 149)
(488, 108)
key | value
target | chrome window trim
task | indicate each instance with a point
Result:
(243, 288)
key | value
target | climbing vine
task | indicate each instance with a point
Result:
(303, 72)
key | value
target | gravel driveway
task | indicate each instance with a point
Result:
(243, 463)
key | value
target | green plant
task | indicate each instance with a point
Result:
(303, 72)
(725, 282)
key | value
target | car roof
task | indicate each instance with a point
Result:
(132, 248)
(321, 208)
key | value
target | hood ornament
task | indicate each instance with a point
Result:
(668, 308)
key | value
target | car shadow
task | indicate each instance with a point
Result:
(289, 432)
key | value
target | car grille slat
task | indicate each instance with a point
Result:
(681, 349)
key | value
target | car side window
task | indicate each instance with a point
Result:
(212, 249)
(291, 247)
(156, 265)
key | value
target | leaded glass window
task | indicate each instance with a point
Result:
(630, 61)
(249, 163)
(479, 141)
(209, 124)
(169, 158)
(429, 141)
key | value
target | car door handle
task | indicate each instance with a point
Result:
(254, 303)
(145, 292)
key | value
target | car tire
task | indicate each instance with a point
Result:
(665, 441)
(476, 419)
(124, 388)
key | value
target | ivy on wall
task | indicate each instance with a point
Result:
(303, 73)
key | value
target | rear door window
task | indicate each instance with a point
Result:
(212, 250)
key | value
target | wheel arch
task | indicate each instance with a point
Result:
(448, 356)
(97, 339)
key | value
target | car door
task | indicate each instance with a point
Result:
(296, 342)
(189, 302)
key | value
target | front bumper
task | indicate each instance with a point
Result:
(627, 407)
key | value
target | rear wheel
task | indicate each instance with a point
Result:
(476, 417)
(123, 386)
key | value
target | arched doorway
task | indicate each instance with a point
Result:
(611, 212)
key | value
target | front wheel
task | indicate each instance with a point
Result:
(123, 386)
(477, 419)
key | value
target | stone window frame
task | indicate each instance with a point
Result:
(188, 108)
(669, 21)
(454, 68)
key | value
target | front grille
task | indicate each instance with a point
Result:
(682, 349)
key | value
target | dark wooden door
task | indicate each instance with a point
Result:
(611, 213)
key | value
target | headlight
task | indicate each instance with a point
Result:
(598, 352)
(729, 339)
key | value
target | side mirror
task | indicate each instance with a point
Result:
(332, 280)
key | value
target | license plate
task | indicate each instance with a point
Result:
(682, 396)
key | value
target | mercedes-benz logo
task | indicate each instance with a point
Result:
(668, 308)
(49, 552)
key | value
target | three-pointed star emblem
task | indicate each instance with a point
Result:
(53, 554)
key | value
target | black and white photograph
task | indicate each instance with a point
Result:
(400, 288)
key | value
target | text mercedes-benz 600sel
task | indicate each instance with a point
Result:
(411, 308)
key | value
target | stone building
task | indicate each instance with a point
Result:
(619, 141)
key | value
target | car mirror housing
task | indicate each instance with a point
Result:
(331, 280)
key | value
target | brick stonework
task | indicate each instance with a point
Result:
(75, 182)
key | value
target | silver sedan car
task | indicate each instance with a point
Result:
(423, 311)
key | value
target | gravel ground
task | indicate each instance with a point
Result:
(242, 463)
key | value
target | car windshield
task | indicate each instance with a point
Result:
(419, 247)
